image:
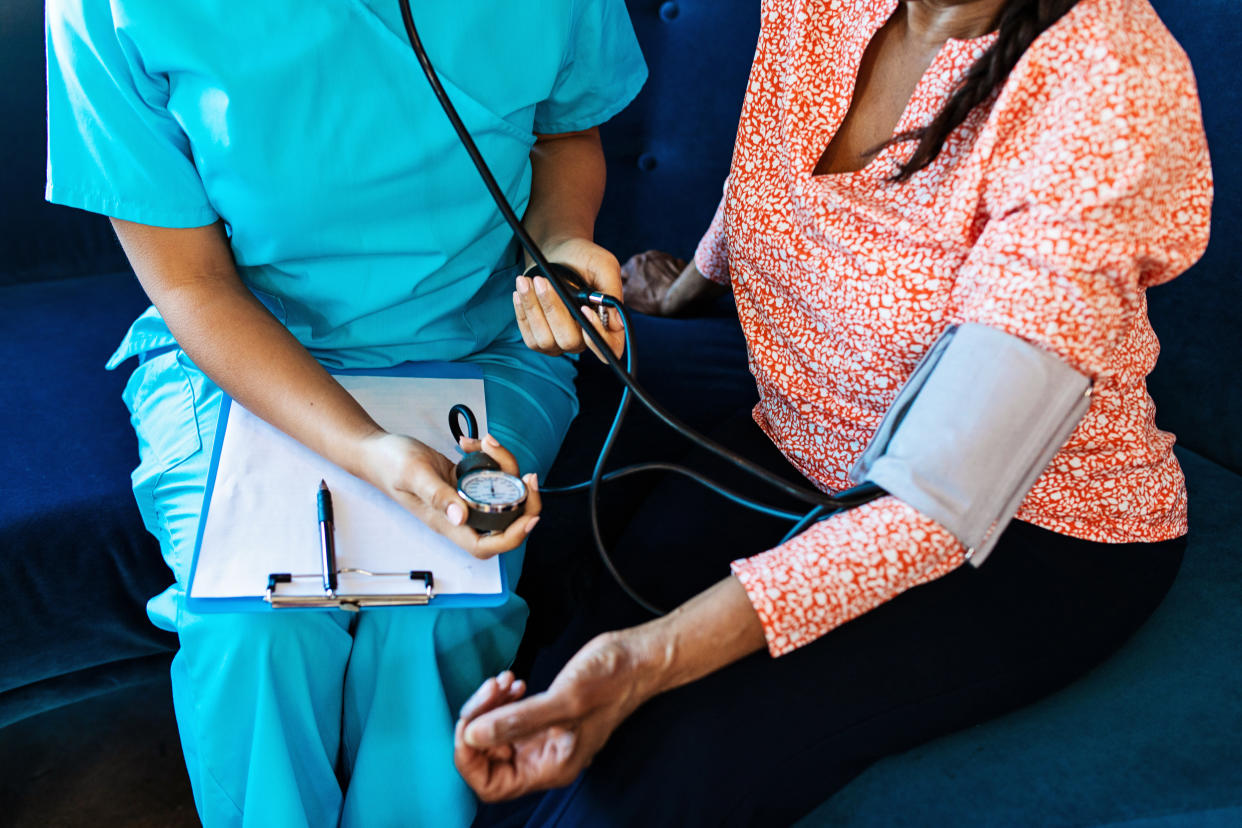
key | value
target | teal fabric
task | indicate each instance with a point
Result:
(259, 700)
(310, 130)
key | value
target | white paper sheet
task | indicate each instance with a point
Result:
(263, 518)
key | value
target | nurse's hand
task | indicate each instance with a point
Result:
(544, 320)
(662, 285)
(424, 481)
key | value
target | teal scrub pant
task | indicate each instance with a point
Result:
(277, 708)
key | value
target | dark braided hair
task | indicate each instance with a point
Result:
(1020, 22)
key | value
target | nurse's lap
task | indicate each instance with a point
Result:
(175, 410)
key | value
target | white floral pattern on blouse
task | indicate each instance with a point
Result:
(1048, 214)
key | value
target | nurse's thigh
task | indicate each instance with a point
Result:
(257, 695)
(173, 409)
(413, 667)
(530, 401)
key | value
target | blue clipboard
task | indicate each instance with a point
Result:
(261, 599)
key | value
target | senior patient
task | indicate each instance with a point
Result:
(1030, 165)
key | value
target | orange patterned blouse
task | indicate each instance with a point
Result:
(1047, 215)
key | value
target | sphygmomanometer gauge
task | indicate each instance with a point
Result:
(494, 497)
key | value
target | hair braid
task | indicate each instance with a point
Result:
(1020, 22)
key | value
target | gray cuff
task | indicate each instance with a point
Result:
(973, 429)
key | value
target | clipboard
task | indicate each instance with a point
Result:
(257, 547)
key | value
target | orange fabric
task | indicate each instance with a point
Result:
(1047, 215)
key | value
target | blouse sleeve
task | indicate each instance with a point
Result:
(601, 71)
(842, 567)
(1099, 187)
(712, 255)
(113, 147)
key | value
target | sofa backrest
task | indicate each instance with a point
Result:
(37, 240)
(667, 157)
(1197, 383)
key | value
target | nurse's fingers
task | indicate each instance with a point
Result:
(546, 323)
(536, 320)
(564, 328)
(613, 333)
(416, 476)
(490, 446)
(534, 501)
(432, 489)
(519, 313)
(485, 546)
(425, 488)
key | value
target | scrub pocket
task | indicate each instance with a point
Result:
(172, 407)
(161, 401)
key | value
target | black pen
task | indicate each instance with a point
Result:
(327, 545)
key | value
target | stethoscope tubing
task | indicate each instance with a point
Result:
(824, 504)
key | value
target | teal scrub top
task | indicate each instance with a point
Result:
(310, 130)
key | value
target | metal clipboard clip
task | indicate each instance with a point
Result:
(333, 599)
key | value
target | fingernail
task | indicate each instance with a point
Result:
(523, 285)
(517, 300)
(491, 441)
(530, 526)
(455, 514)
(532, 481)
(504, 680)
(541, 285)
(517, 687)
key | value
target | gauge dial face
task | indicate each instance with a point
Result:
(492, 488)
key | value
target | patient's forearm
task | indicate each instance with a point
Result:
(710, 631)
(689, 287)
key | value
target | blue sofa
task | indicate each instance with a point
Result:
(1150, 738)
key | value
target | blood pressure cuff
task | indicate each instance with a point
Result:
(973, 428)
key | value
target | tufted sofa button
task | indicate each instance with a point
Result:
(646, 162)
(669, 10)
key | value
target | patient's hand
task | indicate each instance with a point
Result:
(506, 746)
(660, 284)
(646, 278)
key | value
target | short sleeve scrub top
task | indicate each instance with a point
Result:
(356, 217)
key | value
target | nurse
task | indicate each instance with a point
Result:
(291, 197)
